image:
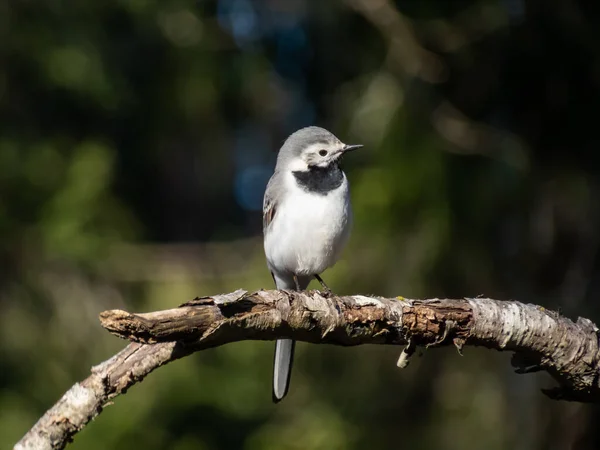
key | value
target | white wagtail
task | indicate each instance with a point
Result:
(306, 222)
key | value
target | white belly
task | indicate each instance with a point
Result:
(309, 231)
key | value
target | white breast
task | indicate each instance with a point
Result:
(309, 230)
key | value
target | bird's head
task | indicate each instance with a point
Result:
(312, 147)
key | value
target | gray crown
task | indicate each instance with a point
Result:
(302, 139)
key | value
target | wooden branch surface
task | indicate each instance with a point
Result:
(540, 339)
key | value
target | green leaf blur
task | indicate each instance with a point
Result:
(136, 139)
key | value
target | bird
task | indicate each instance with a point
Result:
(307, 218)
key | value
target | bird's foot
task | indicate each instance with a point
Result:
(297, 283)
(328, 292)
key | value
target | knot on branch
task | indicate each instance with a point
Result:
(431, 322)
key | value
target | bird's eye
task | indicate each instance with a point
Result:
(323, 152)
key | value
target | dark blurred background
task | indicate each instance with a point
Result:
(136, 140)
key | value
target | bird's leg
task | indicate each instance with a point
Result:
(325, 287)
(296, 282)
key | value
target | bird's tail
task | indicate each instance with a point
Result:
(282, 368)
(284, 348)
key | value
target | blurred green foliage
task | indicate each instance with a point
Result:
(136, 138)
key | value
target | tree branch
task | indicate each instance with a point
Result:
(540, 339)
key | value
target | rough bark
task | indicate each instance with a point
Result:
(540, 339)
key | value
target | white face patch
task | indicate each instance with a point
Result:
(298, 165)
(321, 155)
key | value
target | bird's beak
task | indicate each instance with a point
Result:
(349, 148)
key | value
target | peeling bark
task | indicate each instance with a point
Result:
(540, 340)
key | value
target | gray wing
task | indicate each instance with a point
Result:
(273, 194)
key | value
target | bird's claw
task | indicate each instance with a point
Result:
(327, 292)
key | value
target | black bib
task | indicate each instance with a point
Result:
(320, 180)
